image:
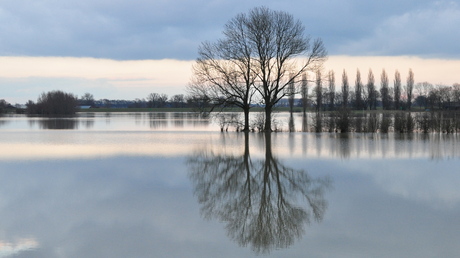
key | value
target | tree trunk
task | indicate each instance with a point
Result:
(268, 118)
(246, 120)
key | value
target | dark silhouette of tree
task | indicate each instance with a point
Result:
(397, 90)
(178, 101)
(87, 99)
(359, 102)
(291, 96)
(304, 93)
(277, 40)
(410, 88)
(385, 90)
(225, 71)
(264, 51)
(331, 89)
(156, 100)
(3, 105)
(54, 103)
(258, 200)
(319, 91)
(371, 91)
(345, 89)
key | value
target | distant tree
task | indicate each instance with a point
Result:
(156, 100)
(3, 105)
(410, 88)
(456, 89)
(345, 89)
(397, 90)
(331, 91)
(385, 90)
(54, 103)
(423, 90)
(359, 104)
(178, 100)
(304, 92)
(138, 103)
(318, 91)
(87, 99)
(371, 91)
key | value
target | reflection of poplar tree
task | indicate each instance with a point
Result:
(258, 200)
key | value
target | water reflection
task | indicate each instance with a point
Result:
(61, 123)
(264, 203)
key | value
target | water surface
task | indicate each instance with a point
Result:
(173, 185)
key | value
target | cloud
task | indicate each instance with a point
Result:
(142, 29)
(424, 32)
(24, 78)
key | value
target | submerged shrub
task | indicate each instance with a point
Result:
(342, 120)
(54, 103)
(385, 124)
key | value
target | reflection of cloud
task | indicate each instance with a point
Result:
(9, 248)
(432, 183)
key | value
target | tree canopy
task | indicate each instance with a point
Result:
(264, 52)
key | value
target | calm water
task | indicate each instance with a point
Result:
(173, 185)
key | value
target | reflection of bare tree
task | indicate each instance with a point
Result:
(264, 203)
(304, 122)
(291, 123)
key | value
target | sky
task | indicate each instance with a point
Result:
(120, 49)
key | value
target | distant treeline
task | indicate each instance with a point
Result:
(322, 96)
(368, 96)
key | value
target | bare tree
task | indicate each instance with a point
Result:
(277, 39)
(359, 104)
(304, 92)
(371, 92)
(318, 91)
(409, 88)
(87, 99)
(397, 90)
(385, 90)
(292, 92)
(264, 51)
(331, 80)
(345, 89)
(156, 100)
(456, 88)
(224, 72)
(178, 100)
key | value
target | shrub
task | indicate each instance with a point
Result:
(54, 103)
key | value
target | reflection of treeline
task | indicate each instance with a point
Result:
(61, 123)
(344, 121)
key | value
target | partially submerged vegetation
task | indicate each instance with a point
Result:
(54, 103)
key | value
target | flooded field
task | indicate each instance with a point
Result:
(173, 185)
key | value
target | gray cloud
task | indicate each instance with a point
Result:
(428, 32)
(173, 29)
